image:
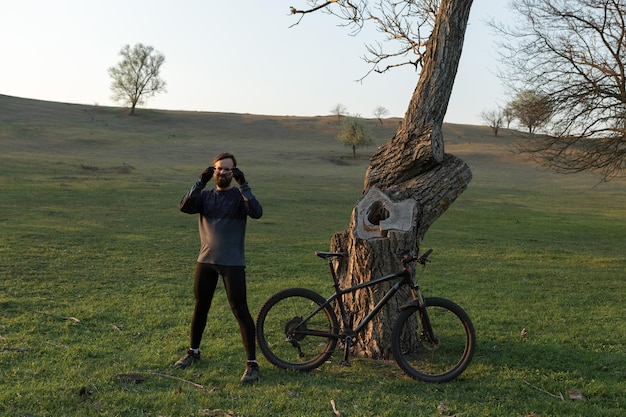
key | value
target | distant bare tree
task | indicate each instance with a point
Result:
(136, 76)
(532, 109)
(380, 112)
(493, 119)
(508, 115)
(575, 52)
(338, 110)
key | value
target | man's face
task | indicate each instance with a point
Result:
(223, 173)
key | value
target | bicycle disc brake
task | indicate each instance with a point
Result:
(429, 343)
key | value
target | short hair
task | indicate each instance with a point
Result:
(225, 155)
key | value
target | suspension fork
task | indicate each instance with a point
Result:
(424, 320)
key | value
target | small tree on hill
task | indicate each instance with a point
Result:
(508, 115)
(136, 76)
(493, 119)
(380, 112)
(355, 133)
(338, 110)
(532, 109)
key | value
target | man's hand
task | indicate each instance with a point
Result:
(207, 174)
(238, 176)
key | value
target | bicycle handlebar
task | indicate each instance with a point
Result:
(421, 259)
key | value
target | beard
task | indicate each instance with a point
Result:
(223, 181)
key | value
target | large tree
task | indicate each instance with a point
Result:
(410, 180)
(574, 51)
(137, 76)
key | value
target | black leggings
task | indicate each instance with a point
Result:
(205, 282)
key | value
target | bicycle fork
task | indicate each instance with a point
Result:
(424, 320)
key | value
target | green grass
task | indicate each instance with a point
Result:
(96, 269)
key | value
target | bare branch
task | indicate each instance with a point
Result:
(303, 12)
(314, 9)
(405, 24)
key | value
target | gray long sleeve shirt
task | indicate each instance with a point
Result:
(222, 221)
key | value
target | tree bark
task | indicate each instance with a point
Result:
(409, 183)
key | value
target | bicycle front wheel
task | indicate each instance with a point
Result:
(294, 331)
(433, 359)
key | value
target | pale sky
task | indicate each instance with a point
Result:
(228, 56)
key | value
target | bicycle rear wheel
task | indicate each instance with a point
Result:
(441, 359)
(292, 334)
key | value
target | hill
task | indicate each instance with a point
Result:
(108, 132)
(96, 136)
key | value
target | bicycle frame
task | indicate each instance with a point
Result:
(404, 277)
(299, 329)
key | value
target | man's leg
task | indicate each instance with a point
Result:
(235, 284)
(205, 282)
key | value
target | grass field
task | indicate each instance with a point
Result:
(96, 267)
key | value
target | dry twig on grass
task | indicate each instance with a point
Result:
(337, 412)
(74, 319)
(202, 387)
(560, 396)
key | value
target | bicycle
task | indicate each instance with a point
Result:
(432, 340)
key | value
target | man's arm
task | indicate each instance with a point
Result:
(252, 204)
(191, 202)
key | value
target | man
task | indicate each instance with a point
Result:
(222, 224)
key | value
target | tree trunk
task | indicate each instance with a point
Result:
(410, 182)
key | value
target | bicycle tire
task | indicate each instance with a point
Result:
(280, 330)
(439, 361)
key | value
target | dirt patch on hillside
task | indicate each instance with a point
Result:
(119, 169)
